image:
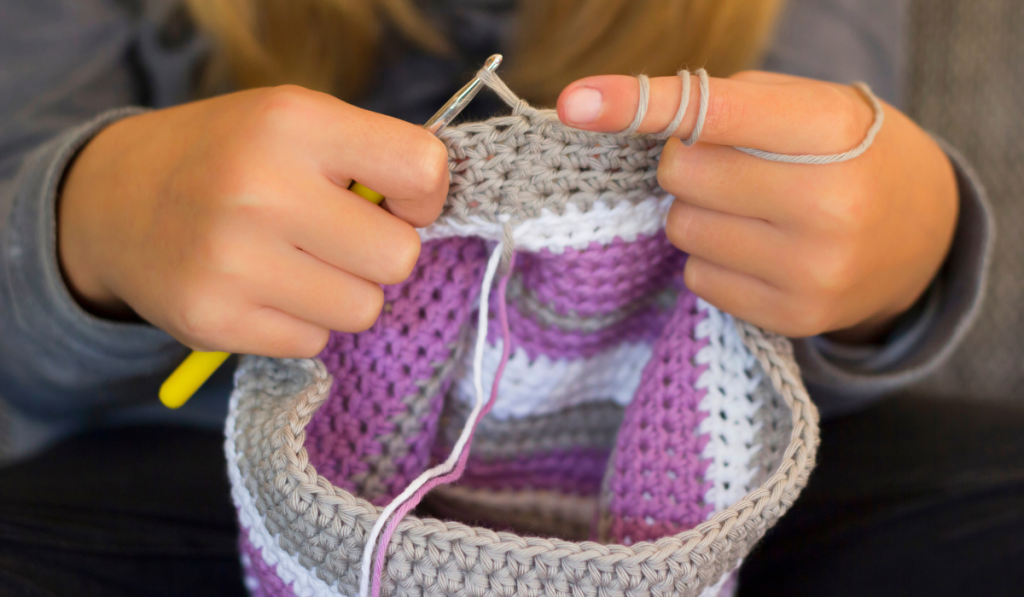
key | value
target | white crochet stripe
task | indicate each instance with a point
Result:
(730, 380)
(545, 385)
(574, 228)
(304, 582)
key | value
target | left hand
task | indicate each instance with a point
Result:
(797, 249)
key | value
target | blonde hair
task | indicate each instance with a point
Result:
(331, 45)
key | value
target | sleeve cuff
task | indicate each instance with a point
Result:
(844, 378)
(56, 359)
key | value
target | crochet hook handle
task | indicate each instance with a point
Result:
(190, 375)
(193, 372)
(438, 121)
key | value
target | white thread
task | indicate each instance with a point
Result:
(573, 228)
(453, 458)
(729, 383)
(544, 385)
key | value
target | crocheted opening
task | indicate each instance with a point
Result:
(584, 325)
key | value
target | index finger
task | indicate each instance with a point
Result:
(402, 161)
(766, 111)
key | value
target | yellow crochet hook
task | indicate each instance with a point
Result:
(193, 372)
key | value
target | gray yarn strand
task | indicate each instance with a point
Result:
(684, 104)
(869, 139)
(501, 89)
(704, 93)
(641, 108)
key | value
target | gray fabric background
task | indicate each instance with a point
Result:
(967, 85)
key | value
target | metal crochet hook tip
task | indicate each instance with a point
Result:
(460, 100)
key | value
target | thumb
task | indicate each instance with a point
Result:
(777, 113)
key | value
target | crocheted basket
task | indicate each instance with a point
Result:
(641, 441)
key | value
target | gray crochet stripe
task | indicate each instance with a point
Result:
(533, 512)
(773, 436)
(545, 313)
(325, 527)
(514, 167)
(591, 425)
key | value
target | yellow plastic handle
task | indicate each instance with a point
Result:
(366, 193)
(190, 375)
(193, 372)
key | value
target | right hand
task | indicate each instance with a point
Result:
(228, 223)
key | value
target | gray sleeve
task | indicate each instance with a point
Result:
(866, 40)
(844, 41)
(845, 378)
(67, 72)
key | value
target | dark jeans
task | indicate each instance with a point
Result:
(909, 498)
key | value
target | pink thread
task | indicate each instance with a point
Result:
(460, 466)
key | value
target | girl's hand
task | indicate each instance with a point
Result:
(228, 224)
(798, 249)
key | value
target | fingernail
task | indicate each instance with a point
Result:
(583, 105)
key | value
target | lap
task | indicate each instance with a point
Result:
(135, 511)
(910, 497)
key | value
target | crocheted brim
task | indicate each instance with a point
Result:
(305, 536)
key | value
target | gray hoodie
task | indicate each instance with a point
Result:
(70, 67)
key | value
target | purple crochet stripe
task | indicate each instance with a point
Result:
(657, 483)
(376, 371)
(576, 471)
(269, 583)
(601, 279)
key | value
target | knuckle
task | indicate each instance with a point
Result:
(670, 168)
(810, 318)
(848, 124)
(195, 318)
(311, 343)
(693, 278)
(218, 252)
(679, 226)
(280, 108)
(725, 112)
(432, 168)
(832, 272)
(404, 251)
(365, 312)
(847, 213)
(745, 75)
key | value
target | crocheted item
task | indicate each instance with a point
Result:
(622, 409)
